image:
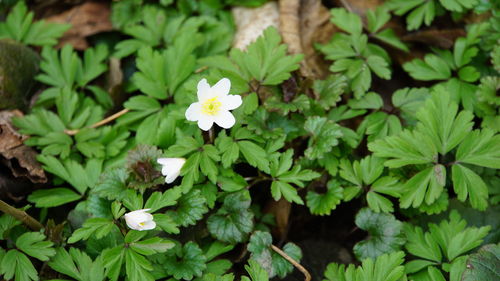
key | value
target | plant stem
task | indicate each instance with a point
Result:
(21, 216)
(100, 123)
(292, 261)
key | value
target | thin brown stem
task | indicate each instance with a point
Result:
(21, 216)
(294, 262)
(100, 123)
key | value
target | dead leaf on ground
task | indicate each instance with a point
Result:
(442, 38)
(87, 19)
(20, 159)
(251, 22)
(359, 7)
(315, 27)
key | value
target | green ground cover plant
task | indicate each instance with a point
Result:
(177, 186)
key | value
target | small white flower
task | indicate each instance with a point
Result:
(171, 168)
(213, 105)
(140, 220)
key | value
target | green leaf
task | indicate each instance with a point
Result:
(33, 244)
(77, 265)
(112, 184)
(281, 266)
(484, 264)
(186, 261)
(422, 11)
(328, 91)
(323, 203)
(426, 185)
(265, 60)
(190, 208)
(167, 223)
(233, 221)
(151, 246)
(480, 148)
(79, 177)
(46, 198)
(387, 267)
(97, 227)
(432, 67)
(159, 200)
(256, 272)
(324, 136)
(17, 264)
(467, 183)
(137, 267)
(385, 234)
(19, 26)
(279, 189)
(255, 155)
(349, 22)
(440, 119)
(458, 5)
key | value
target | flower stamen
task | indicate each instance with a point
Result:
(211, 106)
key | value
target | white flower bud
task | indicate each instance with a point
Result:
(140, 220)
(171, 168)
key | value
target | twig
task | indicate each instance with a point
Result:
(100, 123)
(22, 216)
(292, 261)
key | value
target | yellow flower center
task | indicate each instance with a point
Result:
(142, 223)
(211, 106)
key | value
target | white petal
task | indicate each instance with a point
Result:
(148, 225)
(222, 87)
(205, 123)
(193, 113)
(231, 102)
(203, 89)
(171, 178)
(225, 119)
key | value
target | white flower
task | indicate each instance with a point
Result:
(171, 168)
(213, 105)
(140, 220)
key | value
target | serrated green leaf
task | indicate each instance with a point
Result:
(386, 234)
(233, 221)
(186, 261)
(33, 244)
(17, 264)
(190, 208)
(483, 265)
(323, 204)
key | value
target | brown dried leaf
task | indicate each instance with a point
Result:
(87, 19)
(19, 158)
(251, 22)
(359, 7)
(315, 27)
